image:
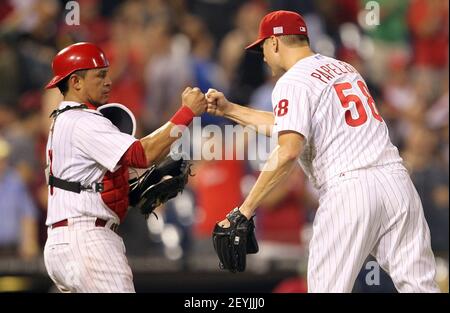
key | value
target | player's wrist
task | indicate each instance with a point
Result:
(228, 109)
(183, 116)
(246, 212)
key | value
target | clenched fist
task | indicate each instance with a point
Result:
(194, 99)
(217, 103)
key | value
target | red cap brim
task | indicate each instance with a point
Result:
(255, 45)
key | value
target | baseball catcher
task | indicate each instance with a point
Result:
(90, 152)
(232, 244)
(159, 184)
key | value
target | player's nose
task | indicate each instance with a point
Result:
(108, 81)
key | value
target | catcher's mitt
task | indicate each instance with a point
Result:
(159, 184)
(232, 244)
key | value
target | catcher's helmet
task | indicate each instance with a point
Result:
(79, 56)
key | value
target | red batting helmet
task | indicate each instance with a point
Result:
(79, 56)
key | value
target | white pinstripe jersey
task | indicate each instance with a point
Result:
(84, 146)
(327, 101)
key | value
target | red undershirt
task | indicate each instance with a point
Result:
(135, 156)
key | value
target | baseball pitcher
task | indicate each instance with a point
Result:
(325, 118)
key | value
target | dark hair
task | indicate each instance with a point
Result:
(295, 40)
(63, 85)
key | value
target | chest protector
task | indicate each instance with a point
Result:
(114, 187)
(115, 190)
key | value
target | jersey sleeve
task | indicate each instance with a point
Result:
(291, 108)
(98, 138)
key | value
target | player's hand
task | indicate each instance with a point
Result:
(224, 223)
(194, 99)
(217, 103)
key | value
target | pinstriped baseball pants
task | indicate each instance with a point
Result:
(372, 211)
(84, 258)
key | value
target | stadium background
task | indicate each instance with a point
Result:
(156, 48)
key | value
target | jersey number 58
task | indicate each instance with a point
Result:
(346, 99)
(281, 108)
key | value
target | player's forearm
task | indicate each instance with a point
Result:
(278, 167)
(162, 156)
(261, 121)
(157, 144)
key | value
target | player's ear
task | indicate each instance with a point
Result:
(75, 81)
(274, 43)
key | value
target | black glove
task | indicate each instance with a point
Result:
(232, 244)
(159, 184)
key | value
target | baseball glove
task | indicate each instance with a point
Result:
(232, 244)
(159, 184)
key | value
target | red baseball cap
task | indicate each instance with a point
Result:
(279, 23)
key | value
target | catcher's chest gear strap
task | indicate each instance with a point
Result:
(61, 183)
(73, 186)
(57, 112)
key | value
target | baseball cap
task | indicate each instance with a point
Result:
(279, 23)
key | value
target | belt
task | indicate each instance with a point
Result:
(98, 222)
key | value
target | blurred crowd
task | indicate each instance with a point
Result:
(158, 47)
